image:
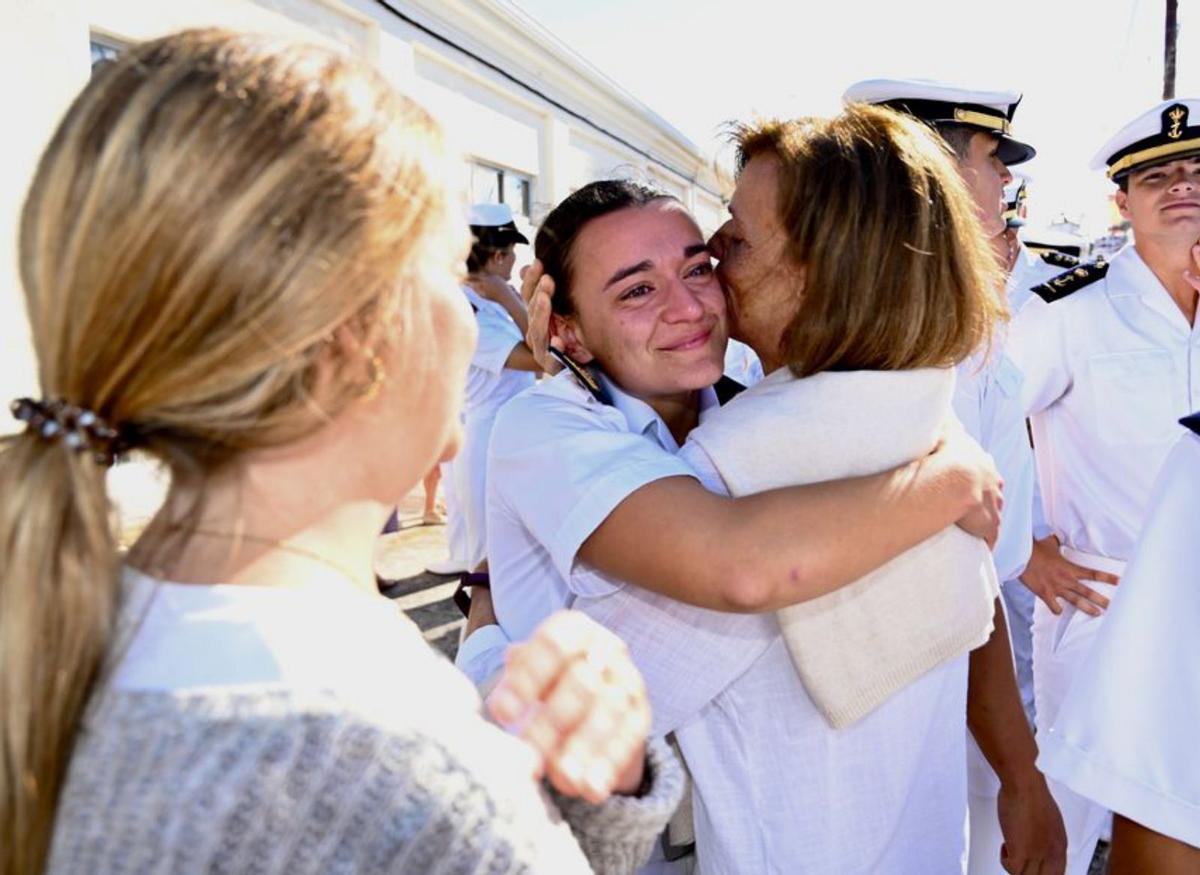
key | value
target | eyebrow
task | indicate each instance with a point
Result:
(625, 272)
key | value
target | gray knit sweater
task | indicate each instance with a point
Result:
(180, 768)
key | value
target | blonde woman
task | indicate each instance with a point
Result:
(240, 257)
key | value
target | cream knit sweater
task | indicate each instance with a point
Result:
(293, 732)
(855, 647)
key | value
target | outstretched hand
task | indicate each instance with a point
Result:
(572, 692)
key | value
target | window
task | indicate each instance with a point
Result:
(496, 185)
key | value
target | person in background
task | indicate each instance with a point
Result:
(976, 126)
(501, 367)
(238, 256)
(1125, 736)
(1111, 357)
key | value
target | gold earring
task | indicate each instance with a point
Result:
(378, 375)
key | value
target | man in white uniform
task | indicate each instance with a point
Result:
(976, 126)
(1111, 359)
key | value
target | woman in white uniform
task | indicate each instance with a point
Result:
(501, 367)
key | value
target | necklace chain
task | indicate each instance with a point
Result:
(285, 546)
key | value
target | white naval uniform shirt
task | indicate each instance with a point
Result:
(1126, 735)
(776, 790)
(1108, 372)
(489, 386)
(489, 383)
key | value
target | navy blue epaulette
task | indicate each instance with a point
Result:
(1071, 281)
(1192, 422)
(1059, 259)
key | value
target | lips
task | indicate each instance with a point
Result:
(1183, 205)
(694, 340)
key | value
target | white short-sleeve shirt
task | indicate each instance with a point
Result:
(776, 790)
(1108, 372)
(489, 383)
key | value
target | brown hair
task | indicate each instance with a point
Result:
(210, 209)
(898, 272)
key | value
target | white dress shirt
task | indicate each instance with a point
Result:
(1126, 734)
(1108, 372)
(776, 790)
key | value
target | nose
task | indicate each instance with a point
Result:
(1182, 181)
(683, 304)
(1005, 174)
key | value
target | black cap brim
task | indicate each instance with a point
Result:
(502, 235)
(1013, 152)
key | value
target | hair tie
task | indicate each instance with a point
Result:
(79, 428)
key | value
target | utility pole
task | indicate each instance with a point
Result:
(1172, 31)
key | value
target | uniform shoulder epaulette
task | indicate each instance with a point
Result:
(1071, 281)
(1192, 422)
(1059, 259)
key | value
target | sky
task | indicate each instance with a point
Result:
(1086, 67)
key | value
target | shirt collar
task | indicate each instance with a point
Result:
(1134, 277)
(643, 419)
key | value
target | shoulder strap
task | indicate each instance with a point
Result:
(1073, 280)
(1058, 259)
(727, 388)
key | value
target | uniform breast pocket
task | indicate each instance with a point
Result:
(1133, 396)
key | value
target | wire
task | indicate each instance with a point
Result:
(445, 40)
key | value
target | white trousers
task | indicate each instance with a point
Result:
(456, 523)
(1060, 648)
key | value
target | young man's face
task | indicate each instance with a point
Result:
(986, 176)
(1164, 201)
(648, 307)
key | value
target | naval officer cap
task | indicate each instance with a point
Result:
(493, 225)
(941, 104)
(1171, 130)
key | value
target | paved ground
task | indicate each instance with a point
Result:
(401, 558)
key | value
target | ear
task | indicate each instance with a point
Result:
(1121, 199)
(567, 330)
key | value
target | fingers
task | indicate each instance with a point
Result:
(530, 275)
(533, 667)
(573, 693)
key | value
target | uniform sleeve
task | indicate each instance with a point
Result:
(562, 467)
(481, 654)
(1037, 343)
(498, 336)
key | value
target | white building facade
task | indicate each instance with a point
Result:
(533, 119)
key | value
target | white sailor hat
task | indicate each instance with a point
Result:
(1015, 195)
(1171, 130)
(493, 225)
(941, 104)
